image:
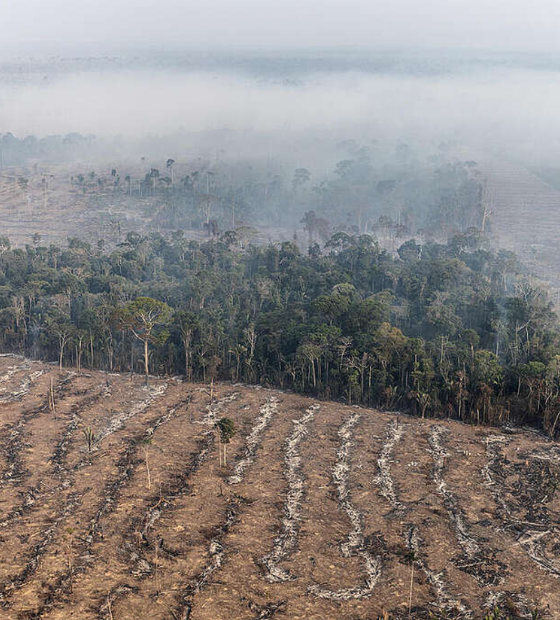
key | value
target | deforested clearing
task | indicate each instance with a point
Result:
(363, 512)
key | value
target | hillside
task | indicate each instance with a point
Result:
(318, 514)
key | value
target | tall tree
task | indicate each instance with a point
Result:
(142, 316)
(169, 165)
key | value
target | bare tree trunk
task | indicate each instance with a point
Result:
(146, 363)
(79, 355)
(61, 356)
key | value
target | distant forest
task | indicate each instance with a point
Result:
(441, 330)
(391, 191)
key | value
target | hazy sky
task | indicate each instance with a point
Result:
(119, 24)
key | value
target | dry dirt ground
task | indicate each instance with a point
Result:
(324, 510)
(50, 204)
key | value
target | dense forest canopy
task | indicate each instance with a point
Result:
(440, 329)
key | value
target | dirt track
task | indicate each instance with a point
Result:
(319, 514)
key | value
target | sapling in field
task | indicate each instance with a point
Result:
(52, 406)
(412, 559)
(68, 549)
(89, 434)
(227, 430)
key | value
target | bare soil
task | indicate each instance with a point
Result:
(48, 200)
(323, 511)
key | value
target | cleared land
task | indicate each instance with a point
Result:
(44, 200)
(52, 202)
(524, 218)
(318, 514)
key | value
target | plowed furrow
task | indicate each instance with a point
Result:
(11, 437)
(70, 504)
(144, 537)
(22, 389)
(439, 453)
(8, 589)
(285, 543)
(126, 467)
(387, 489)
(354, 545)
(444, 599)
(216, 551)
(32, 495)
(268, 410)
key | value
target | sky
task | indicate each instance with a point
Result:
(513, 104)
(60, 25)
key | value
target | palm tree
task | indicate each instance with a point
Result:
(154, 174)
(169, 165)
(226, 427)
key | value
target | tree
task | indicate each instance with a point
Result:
(80, 336)
(142, 316)
(59, 325)
(187, 323)
(151, 178)
(89, 435)
(301, 177)
(423, 399)
(169, 165)
(227, 430)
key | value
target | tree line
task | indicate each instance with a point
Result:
(451, 330)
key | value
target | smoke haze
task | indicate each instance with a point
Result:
(517, 110)
(119, 24)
